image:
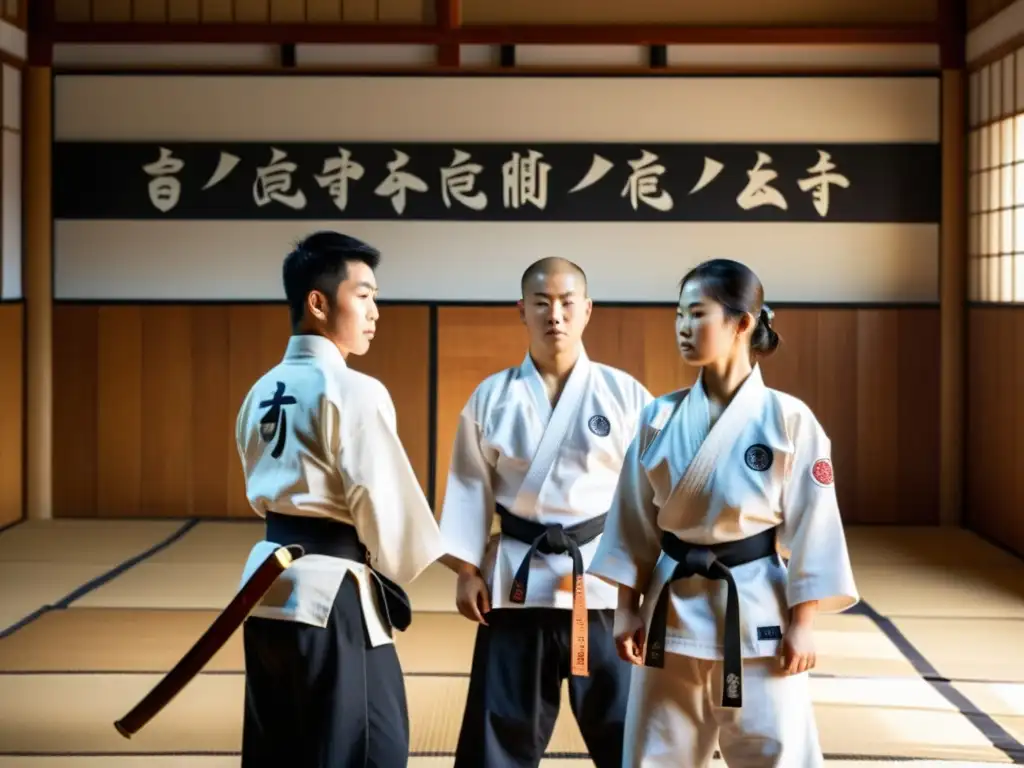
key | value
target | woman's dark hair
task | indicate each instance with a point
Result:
(739, 291)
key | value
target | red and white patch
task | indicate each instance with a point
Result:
(821, 472)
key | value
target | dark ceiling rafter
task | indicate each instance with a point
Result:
(448, 32)
(429, 34)
(447, 18)
(952, 33)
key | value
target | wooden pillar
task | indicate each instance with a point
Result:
(953, 298)
(38, 285)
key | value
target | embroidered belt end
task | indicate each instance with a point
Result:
(712, 562)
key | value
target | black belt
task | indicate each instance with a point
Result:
(556, 540)
(324, 536)
(711, 562)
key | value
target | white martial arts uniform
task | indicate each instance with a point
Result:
(322, 458)
(549, 466)
(764, 465)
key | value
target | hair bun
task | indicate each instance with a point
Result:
(764, 340)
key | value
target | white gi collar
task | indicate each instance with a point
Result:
(748, 404)
(752, 386)
(528, 368)
(528, 372)
(313, 346)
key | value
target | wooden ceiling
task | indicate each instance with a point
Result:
(451, 23)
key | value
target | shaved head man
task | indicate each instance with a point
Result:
(540, 445)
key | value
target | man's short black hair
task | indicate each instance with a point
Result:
(320, 263)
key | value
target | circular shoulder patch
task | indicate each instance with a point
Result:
(821, 472)
(759, 457)
(600, 426)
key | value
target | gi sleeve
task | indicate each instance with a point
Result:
(240, 424)
(388, 506)
(631, 544)
(242, 439)
(642, 400)
(468, 509)
(811, 535)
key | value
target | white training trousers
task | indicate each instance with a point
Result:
(674, 717)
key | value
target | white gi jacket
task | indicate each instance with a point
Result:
(765, 463)
(335, 452)
(549, 465)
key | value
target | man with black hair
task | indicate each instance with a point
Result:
(325, 468)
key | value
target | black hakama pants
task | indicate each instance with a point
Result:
(515, 689)
(322, 697)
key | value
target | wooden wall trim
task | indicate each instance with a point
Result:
(627, 34)
(432, 390)
(37, 281)
(953, 291)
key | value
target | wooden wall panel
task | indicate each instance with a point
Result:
(145, 400)
(870, 376)
(146, 395)
(245, 11)
(995, 424)
(12, 411)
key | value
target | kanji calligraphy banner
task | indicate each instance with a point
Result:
(499, 182)
(179, 187)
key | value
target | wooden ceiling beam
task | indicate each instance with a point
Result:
(953, 33)
(448, 32)
(447, 18)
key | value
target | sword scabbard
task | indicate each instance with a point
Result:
(212, 640)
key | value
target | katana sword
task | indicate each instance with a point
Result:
(215, 637)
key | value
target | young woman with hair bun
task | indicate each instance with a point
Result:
(724, 482)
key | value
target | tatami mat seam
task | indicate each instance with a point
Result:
(999, 737)
(100, 580)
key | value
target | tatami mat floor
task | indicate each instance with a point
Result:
(929, 669)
